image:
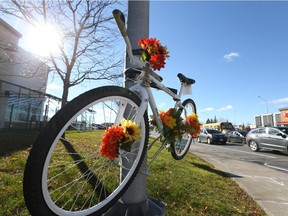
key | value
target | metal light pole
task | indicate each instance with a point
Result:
(137, 28)
(135, 201)
(265, 103)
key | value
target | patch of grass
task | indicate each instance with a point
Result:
(14, 150)
(11, 179)
(193, 187)
(188, 187)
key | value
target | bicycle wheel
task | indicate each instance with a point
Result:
(180, 148)
(65, 174)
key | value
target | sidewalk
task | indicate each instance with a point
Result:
(268, 187)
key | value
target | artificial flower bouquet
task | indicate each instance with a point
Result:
(119, 137)
(174, 126)
(193, 122)
(153, 52)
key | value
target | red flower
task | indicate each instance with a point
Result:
(157, 61)
(153, 52)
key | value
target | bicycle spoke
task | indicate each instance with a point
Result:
(75, 179)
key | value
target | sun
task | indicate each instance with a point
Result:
(43, 40)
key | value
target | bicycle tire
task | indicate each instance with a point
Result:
(65, 175)
(180, 147)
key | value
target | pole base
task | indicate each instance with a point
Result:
(149, 207)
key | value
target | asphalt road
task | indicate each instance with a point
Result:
(263, 175)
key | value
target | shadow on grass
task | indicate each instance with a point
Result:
(218, 172)
(12, 141)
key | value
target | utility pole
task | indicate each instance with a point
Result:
(265, 103)
(137, 28)
(135, 200)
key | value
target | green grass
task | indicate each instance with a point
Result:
(193, 187)
(14, 150)
(188, 187)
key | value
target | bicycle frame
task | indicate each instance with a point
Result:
(143, 87)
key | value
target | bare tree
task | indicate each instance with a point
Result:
(87, 35)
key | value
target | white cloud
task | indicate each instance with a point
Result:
(208, 109)
(54, 86)
(228, 107)
(231, 56)
(279, 101)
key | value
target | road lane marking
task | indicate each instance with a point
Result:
(279, 183)
(275, 167)
(265, 177)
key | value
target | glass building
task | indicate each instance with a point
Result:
(23, 82)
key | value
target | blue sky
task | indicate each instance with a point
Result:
(235, 50)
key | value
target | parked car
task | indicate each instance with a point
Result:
(271, 138)
(211, 136)
(98, 127)
(238, 136)
(283, 129)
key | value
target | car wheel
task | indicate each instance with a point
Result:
(254, 146)
(209, 141)
(198, 139)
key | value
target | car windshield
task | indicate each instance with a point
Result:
(213, 131)
(243, 133)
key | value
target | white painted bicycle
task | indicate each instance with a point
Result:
(66, 175)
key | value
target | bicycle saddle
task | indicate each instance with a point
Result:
(185, 79)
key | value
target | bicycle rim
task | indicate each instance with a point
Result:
(181, 147)
(75, 178)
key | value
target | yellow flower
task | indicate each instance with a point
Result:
(132, 132)
(193, 117)
(169, 121)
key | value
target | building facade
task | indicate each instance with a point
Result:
(284, 116)
(276, 119)
(23, 82)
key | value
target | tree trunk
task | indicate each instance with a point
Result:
(65, 93)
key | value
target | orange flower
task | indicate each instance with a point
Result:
(194, 124)
(167, 118)
(110, 141)
(151, 45)
(169, 122)
(119, 137)
(167, 113)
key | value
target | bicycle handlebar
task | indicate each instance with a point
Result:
(120, 20)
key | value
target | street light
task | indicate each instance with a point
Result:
(265, 103)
